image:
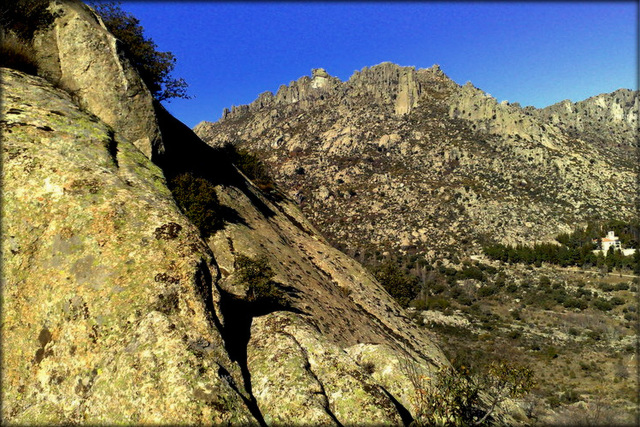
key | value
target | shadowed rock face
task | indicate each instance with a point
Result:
(399, 159)
(116, 310)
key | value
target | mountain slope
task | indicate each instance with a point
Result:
(117, 309)
(405, 159)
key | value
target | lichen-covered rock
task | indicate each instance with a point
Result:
(82, 57)
(107, 288)
(297, 355)
(116, 311)
(295, 369)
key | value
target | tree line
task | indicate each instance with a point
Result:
(576, 248)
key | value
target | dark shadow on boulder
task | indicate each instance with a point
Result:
(250, 402)
(238, 315)
(404, 413)
(185, 152)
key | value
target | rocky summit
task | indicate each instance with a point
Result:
(117, 309)
(404, 159)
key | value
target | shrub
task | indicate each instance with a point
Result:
(472, 273)
(487, 291)
(616, 301)
(198, 200)
(251, 166)
(154, 67)
(575, 303)
(558, 295)
(24, 17)
(437, 288)
(436, 303)
(512, 288)
(602, 304)
(258, 276)
(465, 299)
(606, 287)
(17, 54)
(582, 292)
(622, 286)
(401, 286)
(452, 397)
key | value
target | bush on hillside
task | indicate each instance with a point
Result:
(198, 200)
(251, 166)
(456, 397)
(258, 276)
(400, 285)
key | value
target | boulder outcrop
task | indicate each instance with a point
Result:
(105, 284)
(607, 119)
(83, 58)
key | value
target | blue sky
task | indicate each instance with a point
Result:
(535, 53)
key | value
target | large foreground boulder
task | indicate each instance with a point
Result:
(106, 286)
(116, 310)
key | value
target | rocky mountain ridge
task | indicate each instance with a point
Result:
(402, 159)
(117, 309)
(608, 119)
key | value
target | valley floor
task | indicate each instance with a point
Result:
(556, 321)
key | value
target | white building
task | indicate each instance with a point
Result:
(612, 241)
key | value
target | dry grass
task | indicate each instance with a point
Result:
(17, 54)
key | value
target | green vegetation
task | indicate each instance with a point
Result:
(20, 19)
(575, 249)
(456, 397)
(258, 276)
(154, 67)
(24, 17)
(198, 200)
(400, 285)
(251, 166)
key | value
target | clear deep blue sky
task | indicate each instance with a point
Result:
(535, 53)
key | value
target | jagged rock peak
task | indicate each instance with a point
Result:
(319, 72)
(608, 117)
(387, 82)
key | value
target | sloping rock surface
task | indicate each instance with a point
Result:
(106, 286)
(116, 310)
